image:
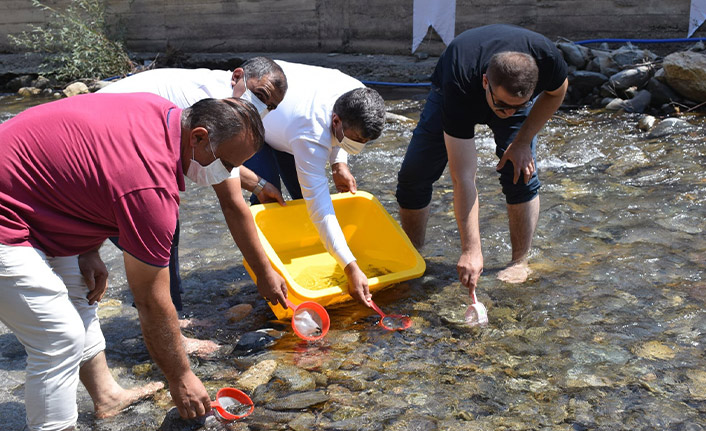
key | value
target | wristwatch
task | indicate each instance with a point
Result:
(260, 185)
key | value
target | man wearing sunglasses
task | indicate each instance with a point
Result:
(513, 80)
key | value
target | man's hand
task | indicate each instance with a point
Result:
(357, 284)
(521, 157)
(190, 396)
(269, 193)
(343, 179)
(95, 275)
(272, 287)
(470, 267)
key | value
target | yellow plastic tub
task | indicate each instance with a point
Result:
(292, 243)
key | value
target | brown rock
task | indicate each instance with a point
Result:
(238, 312)
(686, 73)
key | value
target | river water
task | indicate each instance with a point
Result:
(608, 333)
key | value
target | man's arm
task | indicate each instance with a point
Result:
(519, 152)
(463, 165)
(249, 180)
(95, 274)
(240, 222)
(343, 179)
(160, 329)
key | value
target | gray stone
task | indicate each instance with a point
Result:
(646, 122)
(584, 82)
(639, 103)
(615, 104)
(670, 126)
(254, 341)
(41, 82)
(299, 401)
(575, 55)
(686, 73)
(661, 93)
(629, 55)
(635, 77)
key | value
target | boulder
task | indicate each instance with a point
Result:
(584, 82)
(29, 91)
(629, 55)
(670, 126)
(661, 93)
(639, 103)
(685, 72)
(575, 55)
(635, 77)
(75, 89)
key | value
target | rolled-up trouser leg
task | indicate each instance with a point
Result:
(504, 131)
(35, 304)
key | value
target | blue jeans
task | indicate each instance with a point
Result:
(426, 157)
(272, 165)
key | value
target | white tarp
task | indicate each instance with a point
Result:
(697, 16)
(440, 14)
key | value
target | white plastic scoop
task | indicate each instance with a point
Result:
(476, 314)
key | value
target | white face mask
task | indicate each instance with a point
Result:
(350, 146)
(259, 105)
(211, 174)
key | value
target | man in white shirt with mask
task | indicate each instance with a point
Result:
(324, 116)
(260, 81)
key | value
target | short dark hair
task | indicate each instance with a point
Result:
(225, 118)
(258, 67)
(516, 72)
(362, 109)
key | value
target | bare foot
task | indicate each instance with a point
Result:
(200, 348)
(125, 398)
(189, 323)
(515, 273)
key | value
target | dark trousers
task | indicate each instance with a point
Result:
(426, 157)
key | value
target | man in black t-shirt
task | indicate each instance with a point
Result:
(513, 80)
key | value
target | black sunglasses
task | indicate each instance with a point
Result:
(502, 106)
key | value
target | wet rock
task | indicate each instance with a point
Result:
(575, 55)
(697, 384)
(584, 82)
(257, 375)
(635, 77)
(639, 103)
(670, 126)
(606, 65)
(654, 350)
(414, 423)
(646, 122)
(661, 93)
(238, 312)
(685, 72)
(254, 341)
(299, 401)
(303, 422)
(173, 422)
(295, 378)
(29, 91)
(75, 89)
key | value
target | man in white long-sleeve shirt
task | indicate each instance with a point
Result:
(324, 116)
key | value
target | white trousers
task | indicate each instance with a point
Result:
(43, 301)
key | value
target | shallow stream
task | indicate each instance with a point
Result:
(609, 333)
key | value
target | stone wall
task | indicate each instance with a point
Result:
(366, 26)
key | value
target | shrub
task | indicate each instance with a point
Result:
(76, 43)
